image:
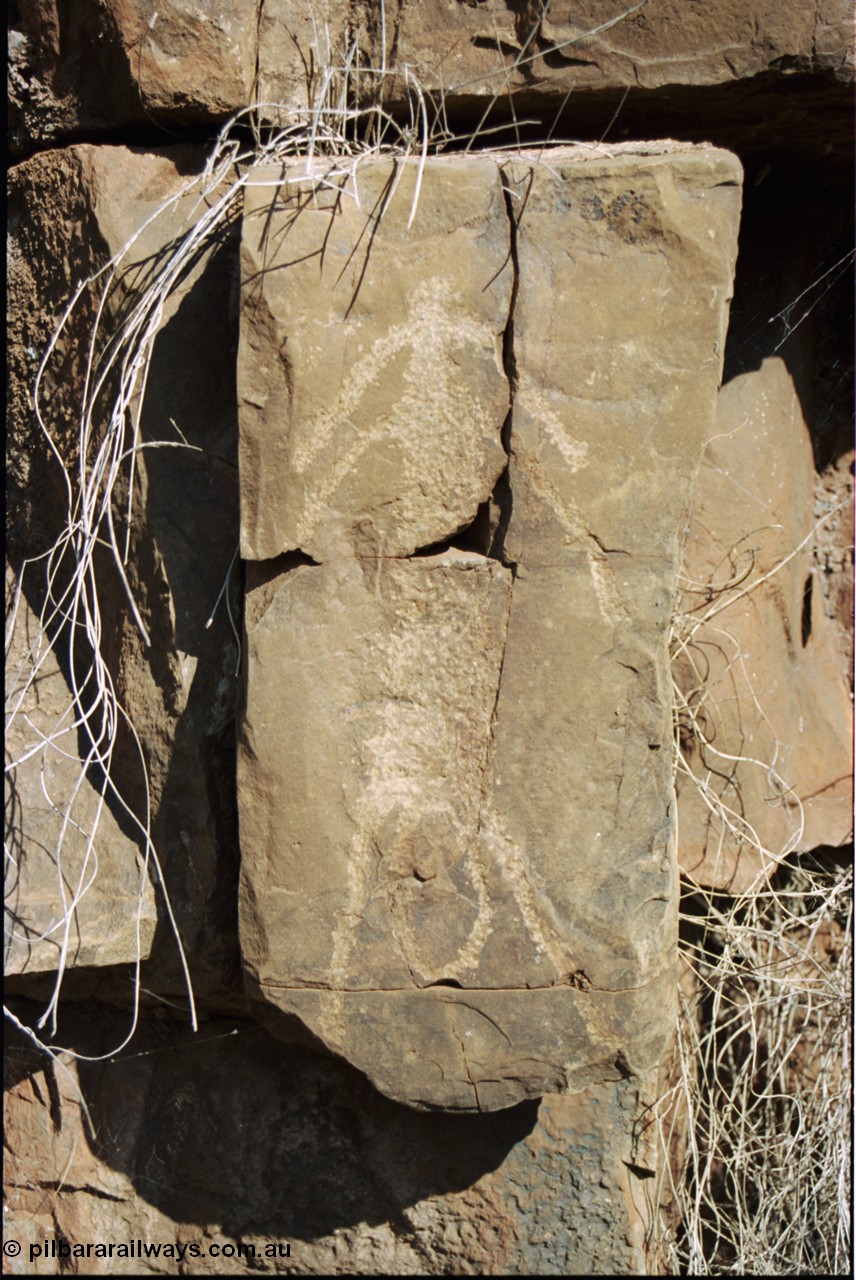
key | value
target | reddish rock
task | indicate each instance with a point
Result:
(758, 661)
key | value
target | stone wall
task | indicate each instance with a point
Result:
(408, 766)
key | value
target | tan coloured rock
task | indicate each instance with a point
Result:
(113, 62)
(625, 257)
(200, 59)
(761, 669)
(370, 375)
(93, 66)
(76, 889)
(384, 676)
(456, 820)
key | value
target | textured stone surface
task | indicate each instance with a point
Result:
(305, 1153)
(496, 48)
(625, 264)
(235, 1133)
(372, 390)
(95, 63)
(763, 670)
(383, 886)
(455, 778)
(74, 889)
(69, 212)
(726, 66)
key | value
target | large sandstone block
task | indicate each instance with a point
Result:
(454, 771)
(370, 367)
(105, 63)
(768, 722)
(97, 64)
(619, 329)
(380, 884)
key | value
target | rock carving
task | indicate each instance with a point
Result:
(465, 450)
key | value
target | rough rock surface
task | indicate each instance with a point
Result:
(232, 1136)
(69, 212)
(305, 1154)
(89, 65)
(76, 889)
(380, 366)
(96, 63)
(493, 47)
(773, 743)
(454, 781)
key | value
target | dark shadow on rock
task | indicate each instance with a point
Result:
(793, 291)
(230, 1126)
(183, 541)
(192, 521)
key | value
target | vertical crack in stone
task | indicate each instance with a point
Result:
(467, 1071)
(502, 496)
(257, 71)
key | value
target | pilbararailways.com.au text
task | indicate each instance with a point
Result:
(144, 1249)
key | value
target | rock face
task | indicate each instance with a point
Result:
(454, 775)
(463, 841)
(70, 211)
(78, 888)
(347, 1180)
(494, 46)
(764, 743)
(383, 371)
(176, 64)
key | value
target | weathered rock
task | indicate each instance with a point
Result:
(69, 212)
(371, 383)
(478, 51)
(724, 71)
(625, 266)
(760, 665)
(94, 64)
(833, 549)
(489, 48)
(457, 863)
(76, 891)
(348, 1180)
(382, 887)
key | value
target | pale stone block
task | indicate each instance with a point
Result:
(372, 686)
(76, 890)
(625, 263)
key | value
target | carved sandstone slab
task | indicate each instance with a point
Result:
(455, 792)
(370, 368)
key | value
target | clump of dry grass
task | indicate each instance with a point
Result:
(759, 1103)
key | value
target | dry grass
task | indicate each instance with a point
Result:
(755, 1118)
(758, 1110)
